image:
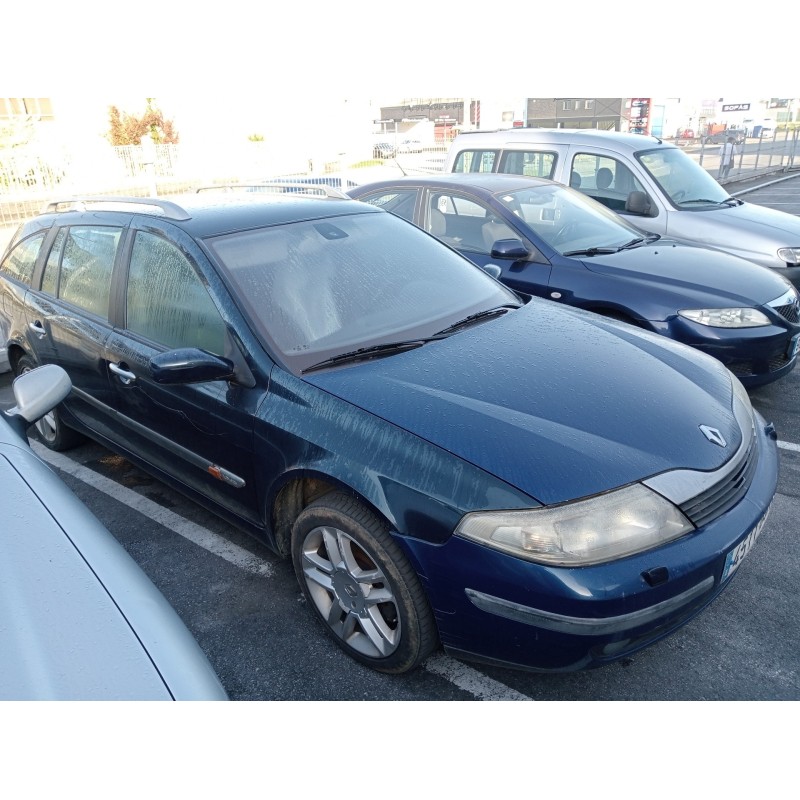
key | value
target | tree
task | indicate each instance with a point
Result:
(127, 129)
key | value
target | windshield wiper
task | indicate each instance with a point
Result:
(728, 201)
(390, 348)
(641, 240)
(592, 251)
(365, 353)
(472, 318)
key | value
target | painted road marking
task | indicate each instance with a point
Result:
(789, 446)
(202, 537)
(464, 677)
(470, 680)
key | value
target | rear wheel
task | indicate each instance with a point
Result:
(50, 429)
(361, 585)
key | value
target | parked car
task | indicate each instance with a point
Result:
(554, 242)
(654, 183)
(720, 137)
(526, 484)
(410, 146)
(80, 620)
(383, 150)
(287, 182)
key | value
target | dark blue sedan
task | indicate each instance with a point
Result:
(523, 483)
(554, 242)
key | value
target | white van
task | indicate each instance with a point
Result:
(650, 181)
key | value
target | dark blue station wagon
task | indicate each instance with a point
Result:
(521, 483)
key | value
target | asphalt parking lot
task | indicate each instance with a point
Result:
(244, 606)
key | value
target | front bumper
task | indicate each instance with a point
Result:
(494, 608)
(756, 356)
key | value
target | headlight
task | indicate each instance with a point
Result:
(604, 528)
(791, 255)
(726, 317)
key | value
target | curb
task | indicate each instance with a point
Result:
(782, 178)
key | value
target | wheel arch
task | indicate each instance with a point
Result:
(15, 352)
(299, 490)
(408, 510)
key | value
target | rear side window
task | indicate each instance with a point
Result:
(19, 263)
(399, 201)
(86, 257)
(475, 161)
(532, 163)
(166, 300)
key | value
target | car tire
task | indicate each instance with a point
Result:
(361, 586)
(50, 429)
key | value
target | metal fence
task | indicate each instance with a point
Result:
(755, 156)
(30, 178)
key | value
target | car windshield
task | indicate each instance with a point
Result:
(682, 179)
(322, 287)
(568, 220)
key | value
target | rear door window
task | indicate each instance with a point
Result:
(475, 161)
(84, 259)
(531, 163)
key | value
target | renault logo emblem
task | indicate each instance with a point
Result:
(713, 435)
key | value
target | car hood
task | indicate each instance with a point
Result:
(555, 401)
(749, 231)
(696, 274)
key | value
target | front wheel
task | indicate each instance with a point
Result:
(361, 585)
(53, 433)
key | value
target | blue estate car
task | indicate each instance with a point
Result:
(552, 241)
(523, 483)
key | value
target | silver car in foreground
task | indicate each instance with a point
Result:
(79, 620)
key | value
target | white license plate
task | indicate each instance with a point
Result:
(738, 553)
(793, 345)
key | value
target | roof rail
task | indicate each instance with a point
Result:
(169, 209)
(315, 189)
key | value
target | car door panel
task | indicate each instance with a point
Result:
(79, 266)
(200, 433)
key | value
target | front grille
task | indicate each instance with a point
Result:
(717, 499)
(790, 312)
(777, 362)
(747, 369)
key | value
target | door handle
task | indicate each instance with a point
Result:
(37, 328)
(124, 375)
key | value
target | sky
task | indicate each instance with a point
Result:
(305, 52)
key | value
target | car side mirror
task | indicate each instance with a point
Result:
(638, 203)
(512, 249)
(37, 392)
(491, 269)
(190, 365)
